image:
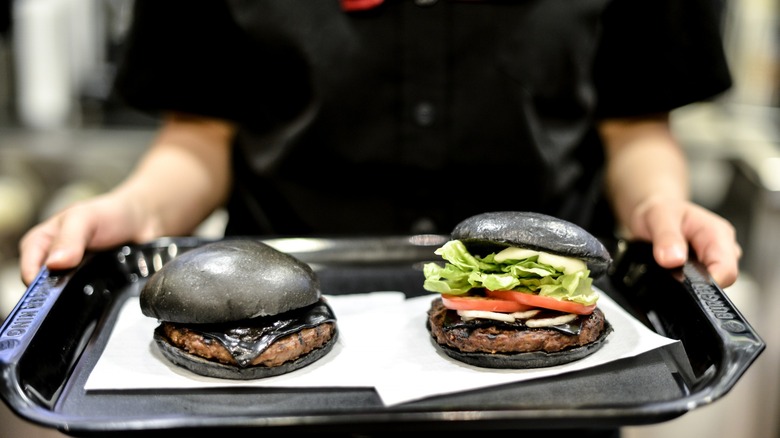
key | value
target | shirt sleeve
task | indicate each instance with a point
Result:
(657, 55)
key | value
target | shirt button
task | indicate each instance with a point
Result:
(424, 114)
(425, 2)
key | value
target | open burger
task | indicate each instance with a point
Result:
(239, 309)
(516, 291)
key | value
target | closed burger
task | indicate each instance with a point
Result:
(239, 309)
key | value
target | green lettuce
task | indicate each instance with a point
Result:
(464, 271)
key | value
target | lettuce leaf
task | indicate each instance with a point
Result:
(463, 271)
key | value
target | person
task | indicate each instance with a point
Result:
(348, 123)
(406, 116)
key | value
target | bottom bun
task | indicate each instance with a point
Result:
(493, 344)
(524, 360)
(204, 367)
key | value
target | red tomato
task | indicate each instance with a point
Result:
(466, 302)
(507, 295)
(534, 300)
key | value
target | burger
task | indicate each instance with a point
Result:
(516, 291)
(238, 309)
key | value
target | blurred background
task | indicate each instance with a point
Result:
(63, 138)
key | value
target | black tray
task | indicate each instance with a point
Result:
(54, 336)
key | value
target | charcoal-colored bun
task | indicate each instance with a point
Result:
(228, 280)
(533, 231)
(528, 359)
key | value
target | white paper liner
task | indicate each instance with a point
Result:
(403, 366)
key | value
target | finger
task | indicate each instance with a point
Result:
(68, 246)
(721, 263)
(664, 228)
(717, 248)
(723, 272)
(34, 249)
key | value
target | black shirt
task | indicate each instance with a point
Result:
(408, 118)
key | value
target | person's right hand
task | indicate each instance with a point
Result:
(181, 179)
(98, 223)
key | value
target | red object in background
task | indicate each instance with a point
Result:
(359, 5)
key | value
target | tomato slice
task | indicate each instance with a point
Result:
(467, 302)
(540, 301)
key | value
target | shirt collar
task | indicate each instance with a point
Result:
(359, 5)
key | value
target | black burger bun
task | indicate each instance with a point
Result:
(536, 231)
(527, 359)
(228, 280)
(239, 309)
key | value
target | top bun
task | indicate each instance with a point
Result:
(226, 281)
(535, 231)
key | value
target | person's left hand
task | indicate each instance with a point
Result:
(673, 225)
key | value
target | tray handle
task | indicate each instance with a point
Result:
(718, 345)
(25, 319)
(21, 325)
(740, 344)
(43, 318)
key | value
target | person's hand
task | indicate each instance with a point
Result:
(61, 241)
(181, 179)
(673, 225)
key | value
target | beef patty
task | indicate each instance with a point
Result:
(285, 349)
(493, 338)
